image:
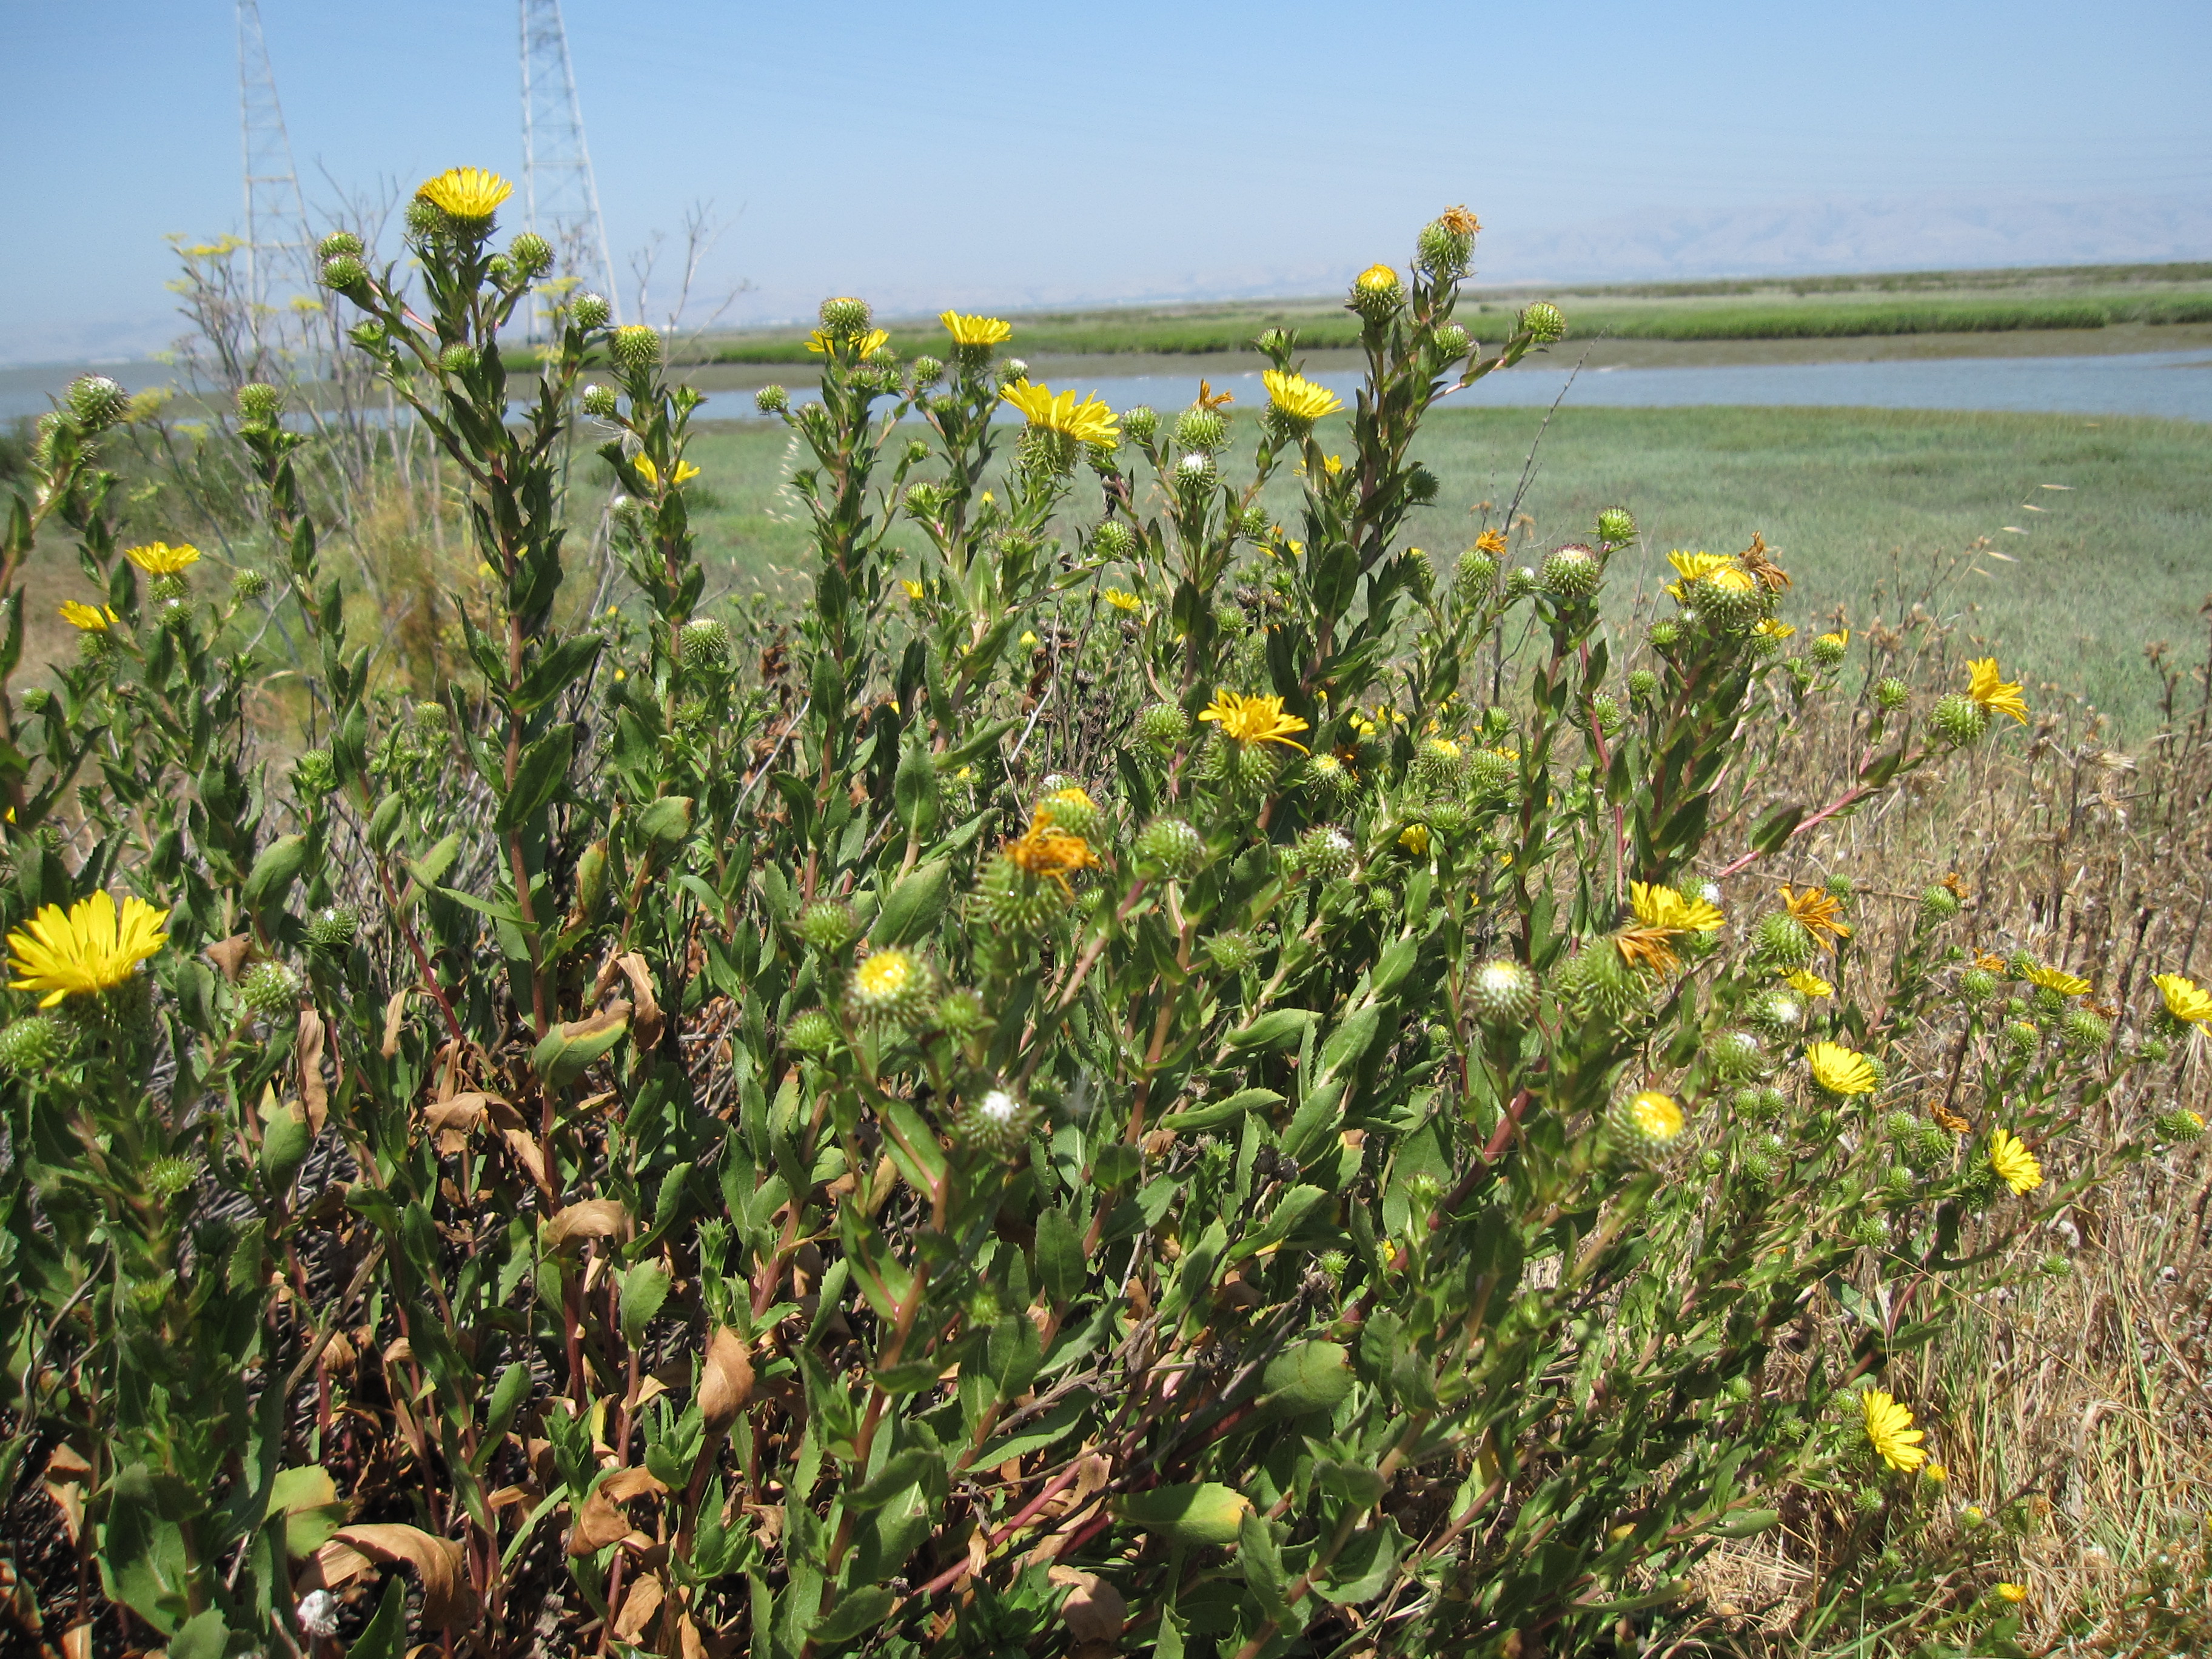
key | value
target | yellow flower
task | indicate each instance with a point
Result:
(1973, 1515)
(1122, 600)
(913, 589)
(2014, 1164)
(1730, 579)
(1491, 542)
(2185, 1000)
(1414, 838)
(2053, 979)
(1840, 1070)
(1656, 1115)
(1662, 913)
(1253, 720)
(1840, 640)
(93, 619)
(1810, 984)
(1300, 397)
(885, 976)
(1088, 422)
(1935, 1472)
(1772, 629)
(864, 345)
(1818, 912)
(1993, 693)
(1029, 637)
(1377, 279)
(646, 469)
(160, 559)
(90, 948)
(1052, 855)
(1694, 566)
(2013, 1592)
(468, 193)
(1889, 1430)
(975, 330)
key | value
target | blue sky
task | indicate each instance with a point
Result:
(1007, 153)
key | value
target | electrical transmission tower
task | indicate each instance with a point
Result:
(560, 200)
(276, 242)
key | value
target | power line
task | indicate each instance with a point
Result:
(560, 199)
(276, 240)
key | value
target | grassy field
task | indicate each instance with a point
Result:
(1874, 510)
(1824, 308)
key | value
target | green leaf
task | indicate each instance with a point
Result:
(537, 778)
(644, 1288)
(1202, 1514)
(857, 1611)
(1217, 1113)
(1772, 832)
(1059, 1256)
(664, 823)
(204, 1635)
(1744, 1524)
(1262, 1564)
(1275, 1030)
(915, 905)
(385, 1636)
(1307, 1377)
(274, 872)
(913, 790)
(1363, 1568)
(569, 1051)
(308, 1499)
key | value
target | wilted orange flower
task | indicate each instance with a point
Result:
(1818, 912)
(1048, 854)
(1459, 222)
(1491, 542)
(1755, 559)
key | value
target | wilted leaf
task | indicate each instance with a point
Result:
(1094, 1611)
(638, 1607)
(726, 1379)
(448, 1601)
(590, 1218)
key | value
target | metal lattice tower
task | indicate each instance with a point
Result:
(560, 199)
(276, 240)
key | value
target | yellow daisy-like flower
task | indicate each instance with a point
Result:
(975, 330)
(1820, 913)
(1121, 600)
(1253, 720)
(1769, 629)
(467, 193)
(1656, 1115)
(914, 589)
(1414, 838)
(92, 619)
(864, 345)
(885, 976)
(2054, 979)
(1052, 854)
(646, 469)
(2185, 1000)
(1935, 1472)
(160, 559)
(2010, 1592)
(1662, 913)
(1491, 542)
(1377, 279)
(1840, 1070)
(91, 947)
(1087, 421)
(1695, 567)
(1840, 640)
(1298, 398)
(2016, 1165)
(1994, 693)
(1810, 984)
(1889, 1430)
(1730, 579)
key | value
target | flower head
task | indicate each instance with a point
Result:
(1758, 561)
(1253, 720)
(2185, 1000)
(160, 559)
(1840, 640)
(1120, 599)
(1770, 628)
(1088, 420)
(1377, 279)
(1935, 1472)
(1840, 1070)
(1994, 695)
(1661, 914)
(2016, 1165)
(93, 619)
(91, 947)
(1889, 1430)
(821, 344)
(643, 464)
(1298, 398)
(975, 330)
(464, 193)
(1820, 913)
(2054, 979)
(2009, 1592)
(1491, 542)
(1049, 853)
(1810, 984)
(1694, 567)
(1459, 222)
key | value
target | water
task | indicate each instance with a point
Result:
(2177, 385)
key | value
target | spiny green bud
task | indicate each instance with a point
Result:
(314, 775)
(1330, 781)
(1201, 429)
(1232, 953)
(1828, 649)
(1438, 764)
(95, 403)
(2048, 1003)
(1977, 985)
(1502, 992)
(458, 358)
(846, 318)
(1643, 686)
(601, 403)
(1011, 900)
(1938, 903)
(1195, 469)
(1475, 577)
(1598, 983)
(1899, 1124)
(1735, 1055)
(704, 643)
(771, 400)
(1959, 720)
(1603, 715)
(249, 584)
(1324, 852)
(1545, 322)
(339, 244)
(2154, 1051)
(1870, 1229)
(1013, 370)
(1665, 634)
(1978, 1186)
(960, 1014)
(1572, 572)
(1377, 293)
(1491, 773)
(424, 220)
(996, 1122)
(927, 371)
(529, 253)
(1162, 724)
(259, 404)
(1521, 583)
(890, 987)
(1762, 1102)
(1420, 571)
(811, 1033)
(333, 927)
(345, 274)
(826, 924)
(31, 1044)
(430, 719)
(1782, 940)
(1449, 342)
(1141, 423)
(500, 269)
(2022, 1038)
(2177, 1123)
(1448, 820)
(1114, 540)
(1443, 249)
(636, 345)
(1172, 849)
(165, 1177)
(1616, 526)
(270, 988)
(924, 499)
(1930, 1143)
(1779, 1012)
(1646, 1126)
(1071, 808)
(2084, 1031)
(1422, 486)
(1332, 1264)
(1891, 694)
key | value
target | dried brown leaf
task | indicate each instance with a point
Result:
(726, 1379)
(229, 955)
(646, 1595)
(590, 1218)
(307, 1056)
(1094, 1611)
(449, 1600)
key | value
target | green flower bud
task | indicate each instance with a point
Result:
(601, 403)
(590, 311)
(1491, 775)
(345, 274)
(339, 244)
(846, 318)
(1763, 1102)
(531, 254)
(1449, 342)
(1141, 423)
(1665, 634)
(33, 1044)
(1545, 322)
(889, 987)
(1438, 764)
(1647, 1126)
(1377, 293)
(1163, 725)
(1616, 526)
(1870, 1229)
(314, 775)
(1232, 953)
(1443, 250)
(1502, 992)
(270, 988)
(1572, 572)
(1072, 809)
(1114, 540)
(1598, 983)
(1201, 428)
(771, 400)
(827, 926)
(1330, 781)
(996, 1122)
(2084, 1031)
(333, 927)
(1422, 486)
(1784, 941)
(2177, 1123)
(1642, 687)
(811, 1033)
(1779, 1012)
(1735, 1055)
(636, 345)
(1828, 649)
(704, 643)
(1938, 903)
(1011, 900)
(2022, 1038)
(1521, 583)
(960, 1014)
(1976, 986)
(1959, 720)
(1891, 693)
(259, 404)
(926, 371)
(1475, 578)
